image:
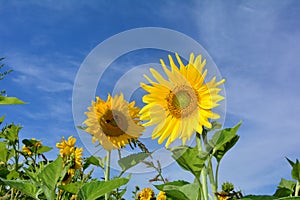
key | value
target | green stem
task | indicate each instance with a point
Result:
(297, 189)
(211, 178)
(203, 171)
(107, 171)
(217, 175)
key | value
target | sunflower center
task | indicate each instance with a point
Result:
(182, 101)
(113, 123)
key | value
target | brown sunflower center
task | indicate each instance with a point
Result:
(182, 101)
(113, 123)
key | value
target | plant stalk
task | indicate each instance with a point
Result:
(297, 189)
(211, 178)
(203, 171)
(107, 171)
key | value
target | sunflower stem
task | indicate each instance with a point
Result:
(211, 178)
(297, 188)
(107, 171)
(203, 171)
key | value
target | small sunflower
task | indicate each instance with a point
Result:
(161, 196)
(66, 146)
(113, 123)
(78, 158)
(181, 104)
(146, 194)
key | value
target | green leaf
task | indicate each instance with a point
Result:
(220, 138)
(219, 154)
(11, 132)
(132, 160)
(43, 149)
(3, 171)
(72, 187)
(96, 189)
(2, 119)
(291, 162)
(12, 175)
(49, 177)
(296, 171)
(180, 190)
(4, 151)
(10, 100)
(24, 186)
(93, 160)
(285, 188)
(289, 198)
(189, 159)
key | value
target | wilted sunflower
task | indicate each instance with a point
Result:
(146, 194)
(181, 104)
(113, 123)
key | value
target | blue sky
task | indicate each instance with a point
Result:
(255, 45)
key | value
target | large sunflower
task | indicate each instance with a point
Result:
(113, 123)
(181, 104)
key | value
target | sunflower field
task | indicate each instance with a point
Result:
(179, 106)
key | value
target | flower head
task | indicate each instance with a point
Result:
(113, 123)
(181, 104)
(161, 196)
(146, 194)
(72, 154)
(66, 146)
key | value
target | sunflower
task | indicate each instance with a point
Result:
(161, 196)
(78, 158)
(66, 146)
(113, 123)
(146, 194)
(181, 104)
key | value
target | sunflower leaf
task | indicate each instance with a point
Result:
(296, 171)
(132, 160)
(96, 189)
(221, 139)
(10, 100)
(49, 177)
(285, 188)
(25, 186)
(189, 158)
(180, 190)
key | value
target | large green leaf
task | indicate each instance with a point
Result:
(49, 177)
(132, 160)
(296, 171)
(24, 186)
(180, 190)
(4, 151)
(10, 100)
(96, 189)
(189, 158)
(289, 198)
(222, 137)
